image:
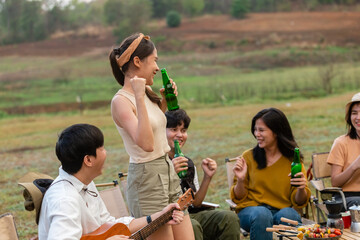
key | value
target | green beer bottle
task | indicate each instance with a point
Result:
(170, 97)
(178, 153)
(296, 164)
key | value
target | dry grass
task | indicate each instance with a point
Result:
(85, 31)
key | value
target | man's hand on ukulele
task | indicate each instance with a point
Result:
(177, 215)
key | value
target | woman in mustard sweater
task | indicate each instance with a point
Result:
(262, 186)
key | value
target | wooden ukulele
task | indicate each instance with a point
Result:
(110, 229)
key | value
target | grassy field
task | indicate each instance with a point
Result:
(217, 132)
(224, 78)
(220, 90)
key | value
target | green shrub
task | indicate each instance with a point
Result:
(3, 114)
(239, 8)
(173, 19)
(193, 7)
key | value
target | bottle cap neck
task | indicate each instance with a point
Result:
(177, 147)
(296, 155)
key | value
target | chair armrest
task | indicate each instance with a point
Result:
(209, 204)
(335, 189)
(204, 206)
(318, 184)
(244, 233)
(231, 204)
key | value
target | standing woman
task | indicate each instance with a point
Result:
(262, 185)
(139, 116)
(344, 156)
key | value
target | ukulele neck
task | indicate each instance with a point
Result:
(146, 231)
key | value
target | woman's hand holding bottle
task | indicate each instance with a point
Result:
(299, 181)
(173, 84)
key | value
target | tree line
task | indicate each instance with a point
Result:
(34, 20)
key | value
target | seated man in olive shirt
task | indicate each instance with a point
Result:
(207, 224)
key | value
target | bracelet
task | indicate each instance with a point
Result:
(148, 219)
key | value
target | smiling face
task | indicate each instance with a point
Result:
(178, 133)
(149, 67)
(263, 134)
(355, 117)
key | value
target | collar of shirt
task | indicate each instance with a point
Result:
(78, 185)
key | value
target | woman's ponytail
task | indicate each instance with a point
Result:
(143, 50)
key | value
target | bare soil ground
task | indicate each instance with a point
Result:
(337, 27)
(260, 29)
(64, 46)
(206, 33)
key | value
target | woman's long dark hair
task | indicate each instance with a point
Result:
(279, 125)
(145, 48)
(351, 129)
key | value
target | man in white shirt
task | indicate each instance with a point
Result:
(72, 205)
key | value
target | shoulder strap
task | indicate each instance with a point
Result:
(188, 181)
(45, 187)
(58, 182)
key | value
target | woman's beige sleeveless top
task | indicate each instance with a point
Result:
(158, 124)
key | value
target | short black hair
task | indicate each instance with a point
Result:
(176, 117)
(75, 142)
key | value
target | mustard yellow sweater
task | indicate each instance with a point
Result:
(270, 185)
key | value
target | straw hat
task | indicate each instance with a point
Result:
(355, 98)
(35, 185)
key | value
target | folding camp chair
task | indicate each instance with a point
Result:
(122, 176)
(7, 227)
(113, 199)
(322, 175)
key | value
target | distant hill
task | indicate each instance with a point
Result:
(268, 29)
(211, 32)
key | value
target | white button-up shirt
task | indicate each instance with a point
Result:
(68, 211)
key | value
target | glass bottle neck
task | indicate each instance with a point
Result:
(165, 77)
(177, 148)
(296, 155)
